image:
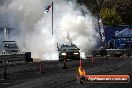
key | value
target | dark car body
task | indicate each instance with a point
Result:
(69, 52)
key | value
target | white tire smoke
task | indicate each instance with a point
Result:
(34, 26)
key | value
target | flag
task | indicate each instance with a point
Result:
(47, 9)
(81, 62)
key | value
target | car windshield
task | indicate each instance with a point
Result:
(66, 47)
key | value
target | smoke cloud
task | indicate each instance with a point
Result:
(33, 28)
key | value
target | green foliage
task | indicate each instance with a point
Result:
(122, 10)
(110, 16)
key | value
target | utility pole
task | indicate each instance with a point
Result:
(52, 18)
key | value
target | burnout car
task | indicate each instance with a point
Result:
(69, 52)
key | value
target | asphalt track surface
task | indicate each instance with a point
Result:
(28, 75)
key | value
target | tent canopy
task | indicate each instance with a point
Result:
(127, 32)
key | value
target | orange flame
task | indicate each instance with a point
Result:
(81, 71)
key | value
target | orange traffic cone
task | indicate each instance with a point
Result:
(5, 75)
(41, 68)
(92, 59)
(64, 66)
(81, 62)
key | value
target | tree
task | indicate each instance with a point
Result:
(110, 17)
(123, 8)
